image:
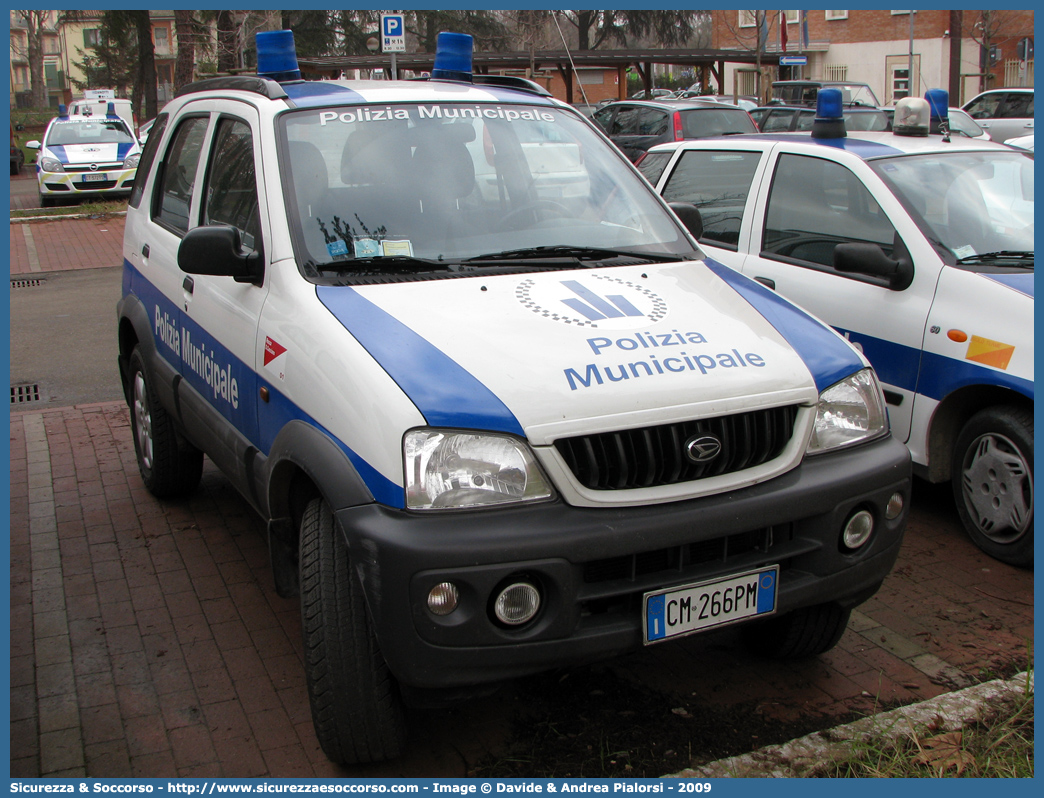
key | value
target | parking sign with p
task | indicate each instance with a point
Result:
(393, 33)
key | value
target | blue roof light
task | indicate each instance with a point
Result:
(110, 111)
(830, 121)
(453, 57)
(829, 104)
(63, 111)
(938, 102)
(277, 56)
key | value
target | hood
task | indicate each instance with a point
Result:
(569, 352)
(76, 154)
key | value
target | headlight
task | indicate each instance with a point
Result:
(132, 162)
(51, 165)
(454, 470)
(850, 411)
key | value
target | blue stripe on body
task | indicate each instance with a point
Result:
(828, 358)
(123, 149)
(315, 93)
(58, 151)
(896, 364)
(1023, 283)
(861, 147)
(259, 423)
(445, 393)
(941, 376)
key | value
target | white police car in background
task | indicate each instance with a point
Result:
(498, 412)
(85, 156)
(919, 248)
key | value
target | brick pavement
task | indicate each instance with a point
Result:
(147, 639)
(60, 245)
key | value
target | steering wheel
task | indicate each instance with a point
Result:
(533, 207)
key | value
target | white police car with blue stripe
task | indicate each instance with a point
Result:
(85, 156)
(918, 247)
(498, 410)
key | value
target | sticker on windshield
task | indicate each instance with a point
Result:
(367, 248)
(964, 252)
(392, 249)
(336, 248)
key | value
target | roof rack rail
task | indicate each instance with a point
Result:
(252, 83)
(511, 82)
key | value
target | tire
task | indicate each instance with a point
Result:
(169, 465)
(800, 634)
(47, 201)
(993, 482)
(357, 710)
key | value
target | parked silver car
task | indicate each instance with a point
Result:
(1003, 113)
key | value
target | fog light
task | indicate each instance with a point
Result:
(857, 530)
(443, 598)
(517, 603)
(895, 506)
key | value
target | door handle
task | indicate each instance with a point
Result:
(765, 281)
(188, 284)
(145, 251)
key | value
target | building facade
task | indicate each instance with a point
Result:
(964, 52)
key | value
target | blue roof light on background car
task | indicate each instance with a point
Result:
(830, 121)
(277, 55)
(63, 112)
(938, 108)
(453, 57)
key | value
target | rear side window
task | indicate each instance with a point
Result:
(717, 182)
(147, 157)
(814, 205)
(697, 124)
(174, 195)
(652, 122)
(231, 195)
(777, 120)
(652, 165)
(627, 122)
(1019, 105)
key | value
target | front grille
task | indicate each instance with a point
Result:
(631, 567)
(96, 186)
(652, 456)
(102, 167)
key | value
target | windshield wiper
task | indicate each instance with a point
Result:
(1004, 254)
(573, 253)
(386, 263)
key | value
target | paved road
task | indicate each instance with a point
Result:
(147, 639)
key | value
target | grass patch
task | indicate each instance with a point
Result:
(90, 208)
(998, 746)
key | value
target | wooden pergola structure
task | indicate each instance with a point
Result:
(704, 61)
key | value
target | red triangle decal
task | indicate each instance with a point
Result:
(272, 350)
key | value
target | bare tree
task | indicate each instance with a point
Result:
(987, 29)
(36, 23)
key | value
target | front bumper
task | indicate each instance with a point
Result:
(72, 184)
(594, 565)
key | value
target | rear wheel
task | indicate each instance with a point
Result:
(993, 482)
(169, 465)
(800, 634)
(356, 706)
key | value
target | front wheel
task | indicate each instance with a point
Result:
(993, 482)
(170, 466)
(356, 707)
(800, 634)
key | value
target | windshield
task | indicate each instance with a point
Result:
(94, 131)
(970, 203)
(447, 182)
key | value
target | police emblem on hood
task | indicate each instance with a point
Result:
(593, 300)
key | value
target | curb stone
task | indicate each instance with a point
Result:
(811, 754)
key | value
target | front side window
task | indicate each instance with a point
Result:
(777, 120)
(717, 182)
(174, 193)
(231, 194)
(705, 122)
(447, 182)
(148, 155)
(814, 205)
(985, 107)
(970, 204)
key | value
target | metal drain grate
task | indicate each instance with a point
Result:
(32, 282)
(23, 394)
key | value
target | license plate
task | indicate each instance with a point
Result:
(705, 605)
(95, 177)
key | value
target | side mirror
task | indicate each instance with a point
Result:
(218, 250)
(32, 145)
(870, 259)
(690, 217)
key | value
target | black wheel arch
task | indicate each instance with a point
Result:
(953, 413)
(304, 463)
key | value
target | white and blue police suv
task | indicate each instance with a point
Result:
(499, 412)
(85, 156)
(918, 247)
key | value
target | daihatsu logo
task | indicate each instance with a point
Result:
(702, 448)
(598, 301)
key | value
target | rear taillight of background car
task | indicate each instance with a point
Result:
(678, 134)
